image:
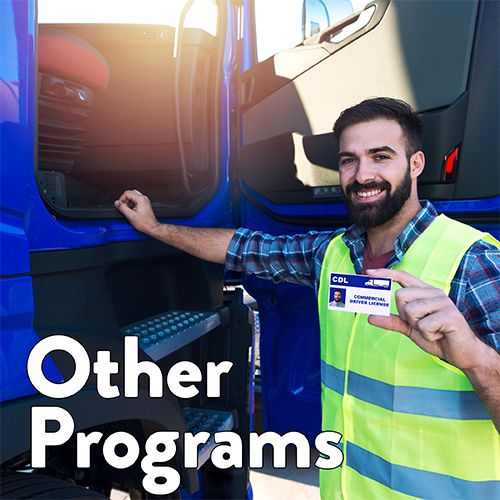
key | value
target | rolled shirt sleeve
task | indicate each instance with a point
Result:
(293, 259)
(475, 290)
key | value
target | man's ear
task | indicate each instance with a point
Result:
(417, 164)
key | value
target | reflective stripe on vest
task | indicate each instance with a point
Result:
(412, 425)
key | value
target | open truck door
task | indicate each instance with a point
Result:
(92, 106)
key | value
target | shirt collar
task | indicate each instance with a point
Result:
(355, 236)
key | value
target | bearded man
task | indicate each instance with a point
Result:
(419, 412)
(337, 299)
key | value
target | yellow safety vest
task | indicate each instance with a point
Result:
(412, 425)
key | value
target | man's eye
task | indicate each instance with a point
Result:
(346, 161)
(381, 157)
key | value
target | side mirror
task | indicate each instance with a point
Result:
(315, 18)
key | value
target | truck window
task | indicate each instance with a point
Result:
(203, 15)
(283, 24)
(113, 114)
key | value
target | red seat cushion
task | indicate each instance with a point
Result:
(63, 54)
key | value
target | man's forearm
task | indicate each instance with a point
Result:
(486, 382)
(206, 243)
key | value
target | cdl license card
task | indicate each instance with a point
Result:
(360, 294)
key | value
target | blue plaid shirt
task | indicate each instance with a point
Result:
(475, 289)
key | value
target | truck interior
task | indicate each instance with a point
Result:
(114, 106)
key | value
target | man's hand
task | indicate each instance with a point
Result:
(429, 318)
(204, 242)
(138, 210)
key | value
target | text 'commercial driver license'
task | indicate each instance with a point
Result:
(360, 294)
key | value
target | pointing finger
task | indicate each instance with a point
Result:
(392, 322)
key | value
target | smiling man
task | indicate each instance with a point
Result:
(416, 395)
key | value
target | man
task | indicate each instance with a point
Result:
(417, 411)
(337, 299)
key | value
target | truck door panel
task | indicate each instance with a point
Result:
(480, 149)
(427, 66)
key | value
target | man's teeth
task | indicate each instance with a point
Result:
(365, 194)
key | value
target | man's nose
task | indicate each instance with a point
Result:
(365, 171)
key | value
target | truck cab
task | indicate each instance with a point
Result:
(221, 112)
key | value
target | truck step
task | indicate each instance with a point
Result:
(198, 420)
(164, 333)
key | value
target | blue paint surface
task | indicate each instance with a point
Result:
(17, 132)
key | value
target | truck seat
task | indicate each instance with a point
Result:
(70, 72)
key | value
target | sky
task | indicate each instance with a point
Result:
(202, 15)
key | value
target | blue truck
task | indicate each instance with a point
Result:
(221, 112)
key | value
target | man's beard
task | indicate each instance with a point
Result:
(375, 214)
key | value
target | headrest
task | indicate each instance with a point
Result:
(65, 55)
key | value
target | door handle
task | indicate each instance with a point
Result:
(380, 9)
(322, 36)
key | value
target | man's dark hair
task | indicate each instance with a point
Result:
(377, 108)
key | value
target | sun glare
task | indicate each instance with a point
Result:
(202, 15)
